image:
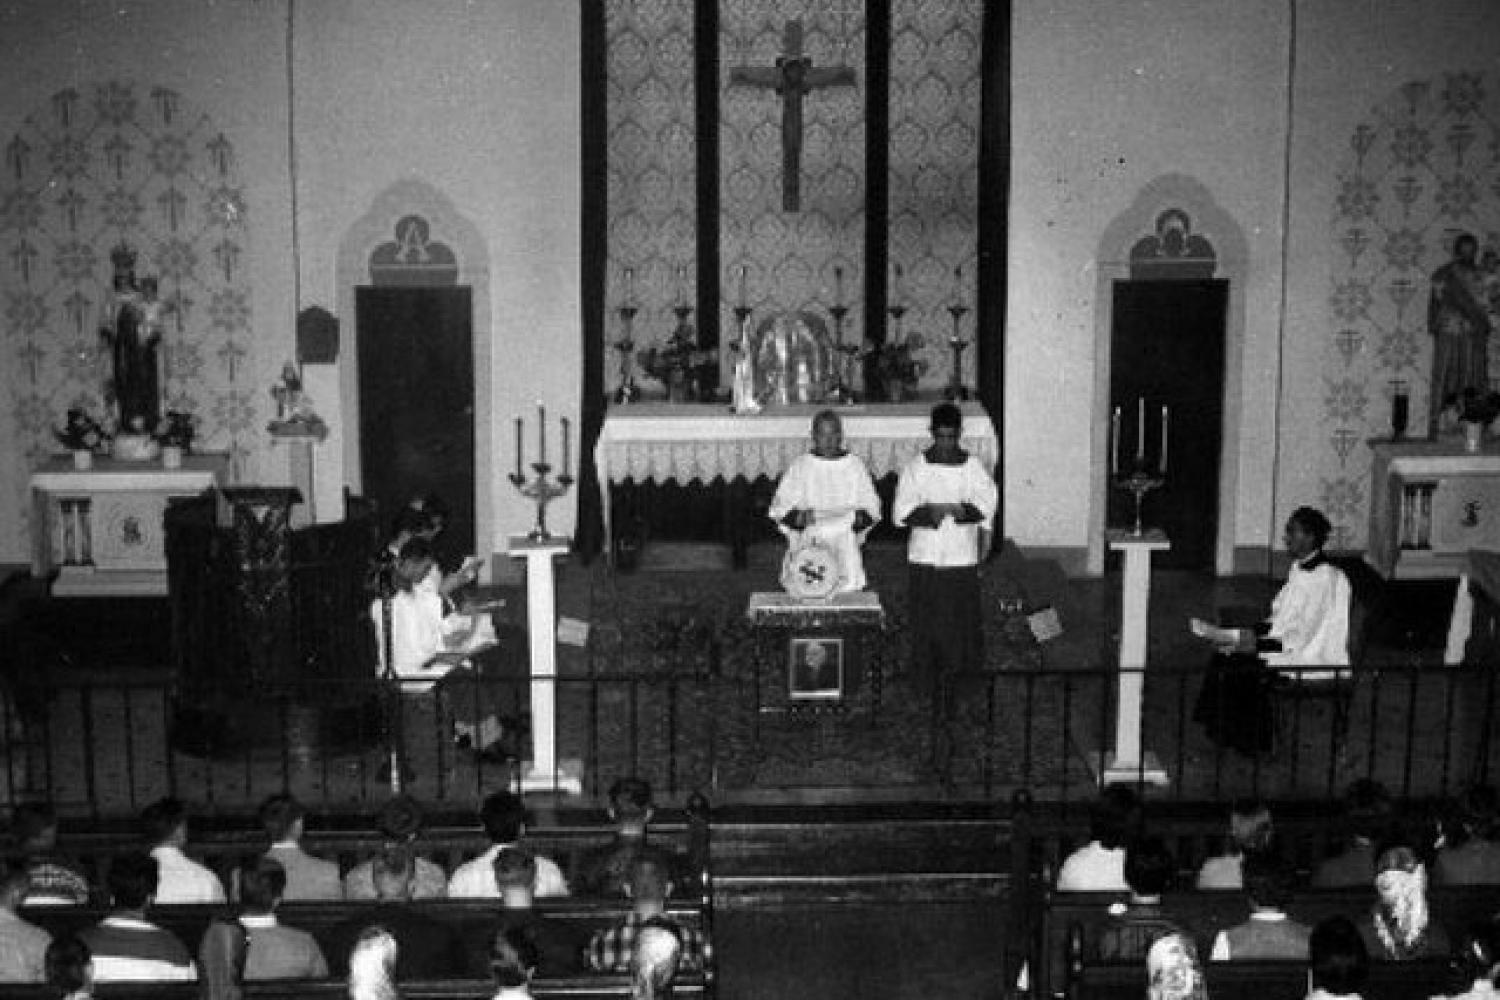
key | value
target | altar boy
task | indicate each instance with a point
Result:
(947, 499)
(827, 497)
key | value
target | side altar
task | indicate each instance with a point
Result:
(1430, 503)
(101, 528)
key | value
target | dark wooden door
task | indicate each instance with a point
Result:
(1168, 348)
(416, 402)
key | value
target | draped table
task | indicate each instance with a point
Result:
(698, 443)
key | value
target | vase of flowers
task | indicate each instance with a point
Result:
(82, 435)
(175, 435)
(894, 369)
(677, 363)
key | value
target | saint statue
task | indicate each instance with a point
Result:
(1460, 326)
(132, 329)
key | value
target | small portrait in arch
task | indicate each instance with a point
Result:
(815, 668)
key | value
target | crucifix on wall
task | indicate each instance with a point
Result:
(793, 77)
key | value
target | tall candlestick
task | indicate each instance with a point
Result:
(541, 432)
(838, 286)
(1114, 442)
(629, 285)
(958, 285)
(518, 445)
(1140, 429)
(566, 464)
(743, 299)
(1164, 416)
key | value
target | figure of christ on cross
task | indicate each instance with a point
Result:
(793, 77)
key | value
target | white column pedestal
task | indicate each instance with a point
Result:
(1128, 762)
(544, 772)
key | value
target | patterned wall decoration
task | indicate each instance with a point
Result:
(792, 261)
(934, 172)
(123, 162)
(652, 171)
(1423, 167)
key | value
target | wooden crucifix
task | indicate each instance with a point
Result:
(793, 77)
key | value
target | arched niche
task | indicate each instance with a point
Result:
(1123, 235)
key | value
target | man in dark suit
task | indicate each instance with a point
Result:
(425, 948)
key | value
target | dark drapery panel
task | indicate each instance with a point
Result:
(706, 126)
(877, 164)
(994, 214)
(595, 195)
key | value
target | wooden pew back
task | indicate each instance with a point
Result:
(692, 987)
(1418, 980)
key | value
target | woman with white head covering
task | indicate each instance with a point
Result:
(372, 966)
(1172, 970)
(1400, 926)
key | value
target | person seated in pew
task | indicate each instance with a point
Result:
(1250, 831)
(1137, 925)
(602, 871)
(428, 948)
(503, 815)
(273, 950)
(1400, 925)
(1099, 866)
(126, 947)
(1338, 964)
(1469, 854)
(827, 497)
(372, 966)
(1367, 820)
(655, 961)
(182, 880)
(307, 877)
(23, 946)
(513, 962)
(1478, 960)
(649, 886)
(221, 960)
(558, 943)
(69, 968)
(1308, 627)
(1173, 971)
(55, 879)
(1269, 934)
(399, 822)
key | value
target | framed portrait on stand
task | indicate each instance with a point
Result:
(815, 668)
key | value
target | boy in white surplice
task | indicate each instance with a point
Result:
(827, 496)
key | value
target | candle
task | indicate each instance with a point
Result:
(682, 284)
(1164, 417)
(518, 446)
(541, 432)
(958, 285)
(743, 299)
(838, 286)
(1114, 442)
(566, 454)
(629, 285)
(1140, 429)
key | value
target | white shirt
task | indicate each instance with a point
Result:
(950, 543)
(180, 879)
(834, 488)
(1310, 616)
(1093, 868)
(1220, 951)
(416, 636)
(476, 879)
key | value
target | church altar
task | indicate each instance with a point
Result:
(1430, 503)
(103, 526)
(698, 443)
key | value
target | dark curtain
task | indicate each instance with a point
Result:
(595, 202)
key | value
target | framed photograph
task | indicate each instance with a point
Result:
(815, 668)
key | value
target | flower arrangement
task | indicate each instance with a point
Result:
(676, 361)
(176, 430)
(895, 363)
(82, 432)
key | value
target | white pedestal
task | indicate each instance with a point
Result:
(544, 772)
(1129, 763)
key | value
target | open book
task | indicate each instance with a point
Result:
(1219, 635)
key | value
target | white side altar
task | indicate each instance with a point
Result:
(1431, 502)
(693, 442)
(545, 771)
(102, 527)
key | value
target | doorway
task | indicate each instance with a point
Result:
(1167, 346)
(416, 393)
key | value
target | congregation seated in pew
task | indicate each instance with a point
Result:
(399, 823)
(273, 949)
(125, 945)
(558, 944)
(1099, 865)
(503, 816)
(23, 945)
(1399, 927)
(1135, 926)
(1250, 831)
(649, 887)
(1469, 853)
(427, 948)
(54, 878)
(604, 870)
(1367, 820)
(181, 879)
(1270, 933)
(307, 877)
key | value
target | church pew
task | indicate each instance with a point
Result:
(1071, 921)
(1417, 980)
(612, 987)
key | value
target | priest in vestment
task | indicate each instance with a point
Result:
(828, 497)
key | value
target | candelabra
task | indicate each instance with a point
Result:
(543, 491)
(841, 387)
(956, 389)
(627, 391)
(1138, 482)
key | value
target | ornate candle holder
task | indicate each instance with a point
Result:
(628, 391)
(1138, 482)
(956, 389)
(543, 491)
(841, 386)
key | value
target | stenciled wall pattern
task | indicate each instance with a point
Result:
(1423, 167)
(123, 162)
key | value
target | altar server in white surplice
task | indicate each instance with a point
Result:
(827, 496)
